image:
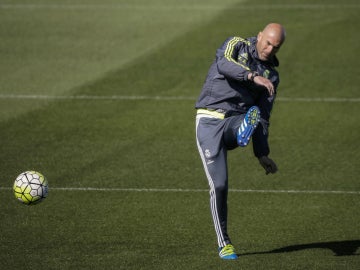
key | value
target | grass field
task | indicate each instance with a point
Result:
(99, 96)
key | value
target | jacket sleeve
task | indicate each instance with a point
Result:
(227, 59)
(261, 134)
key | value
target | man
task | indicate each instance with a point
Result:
(235, 105)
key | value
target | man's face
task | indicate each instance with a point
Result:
(268, 44)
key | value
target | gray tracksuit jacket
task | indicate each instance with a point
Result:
(226, 86)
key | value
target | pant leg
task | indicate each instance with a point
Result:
(231, 129)
(213, 153)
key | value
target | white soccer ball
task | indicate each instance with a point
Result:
(30, 187)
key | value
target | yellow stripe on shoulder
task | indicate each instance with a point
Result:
(230, 49)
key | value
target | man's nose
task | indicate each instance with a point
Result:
(270, 49)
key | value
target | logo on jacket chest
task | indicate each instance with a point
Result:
(266, 74)
(243, 58)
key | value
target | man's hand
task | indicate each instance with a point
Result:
(268, 164)
(266, 83)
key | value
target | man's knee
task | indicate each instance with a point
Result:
(230, 132)
(221, 186)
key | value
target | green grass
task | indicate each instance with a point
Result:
(163, 49)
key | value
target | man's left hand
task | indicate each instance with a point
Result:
(268, 164)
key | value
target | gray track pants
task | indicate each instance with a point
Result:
(214, 138)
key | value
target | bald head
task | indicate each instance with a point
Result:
(270, 40)
(275, 30)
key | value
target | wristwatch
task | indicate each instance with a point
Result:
(253, 75)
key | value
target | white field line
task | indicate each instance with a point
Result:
(306, 99)
(161, 98)
(184, 190)
(178, 7)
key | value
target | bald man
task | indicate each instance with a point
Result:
(234, 107)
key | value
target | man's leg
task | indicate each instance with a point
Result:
(239, 128)
(248, 126)
(214, 157)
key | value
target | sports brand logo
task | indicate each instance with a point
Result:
(243, 58)
(266, 74)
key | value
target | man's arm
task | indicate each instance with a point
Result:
(260, 137)
(227, 59)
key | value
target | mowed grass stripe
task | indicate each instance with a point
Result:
(141, 97)
(186, 190)
(175, 8)
(157, 7)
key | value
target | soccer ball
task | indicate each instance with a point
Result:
(30, 187)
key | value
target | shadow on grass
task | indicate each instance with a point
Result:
(340, 248)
